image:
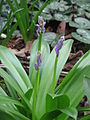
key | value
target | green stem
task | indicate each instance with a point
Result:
(39, 43)
(54, 75)
(36, 87)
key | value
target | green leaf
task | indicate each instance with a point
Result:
(11, 81)
(49, 37)
(50, 115)
(61, 17)
(80, 22)
(8, 100)
(83, 109)
(87, 117)
(14, 113)
(56, 102)
(72, 112)
(19, 19)
(45, 51)
(46, 16)
(82, 35)
(28, 94)
(2, 92)
(5, 116)
(47, 74)
(11, 91)
(87, 14)
(32, 25)
(15, 68)
(87, 87)
(9, 34)
(60, 103)
(72, 84)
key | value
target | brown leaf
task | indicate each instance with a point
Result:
(61, 28)
(28, 47)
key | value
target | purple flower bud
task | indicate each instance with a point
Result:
(40, 27)
(59, 45)
(57, 50)
(39, 59)
(40, 20)
(37, 29)
(36, 67)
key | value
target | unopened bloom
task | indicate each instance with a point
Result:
(39, 61)
(35, 66)
(59, 45)
(40, 27)
(37, 29)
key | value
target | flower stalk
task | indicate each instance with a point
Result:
(58, 47)
(35, 94)
(40, 28)
(54, 75)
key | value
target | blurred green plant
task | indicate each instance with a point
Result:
(24, 20)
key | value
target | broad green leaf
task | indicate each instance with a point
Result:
(15, 68)
(82, 35)
(87, 87)
(56, 102)
(72, 84)
(61, 103)
(50, 115)
(45, 51)
(72, 112)
(80, 22)
(46, 16)
(28, 94)
(47, 74)
(87, 14)
(85, 4)
(61, 17)
(49, 37)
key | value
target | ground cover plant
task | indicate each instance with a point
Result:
(35, 97)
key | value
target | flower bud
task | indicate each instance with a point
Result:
(59, 45)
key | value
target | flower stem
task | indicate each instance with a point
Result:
(54, 75)
(39, 43)
(36, 87)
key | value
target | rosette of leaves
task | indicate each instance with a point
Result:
(58, 10)
(85, 4)
(82, 33)
(18, 106)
